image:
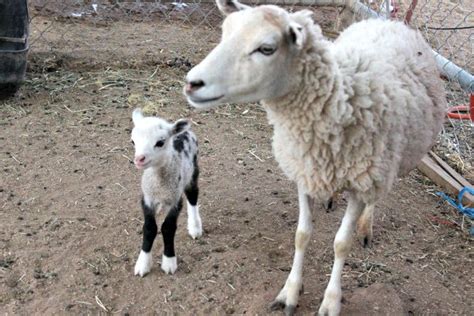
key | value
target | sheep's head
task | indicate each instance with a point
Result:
(255, 59)
(152, 138)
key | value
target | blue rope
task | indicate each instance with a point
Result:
(468, 211)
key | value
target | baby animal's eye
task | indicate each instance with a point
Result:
(133, 143)
(160, 143)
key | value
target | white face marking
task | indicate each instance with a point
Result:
(144, 263)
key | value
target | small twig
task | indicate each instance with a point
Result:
(101, 305)
(123, 155)
(253, 154)
(110, 85)
(30, 199)
(115, 149)
(121, 186)
(21, 278)
(74, 84)
(91, 265)
(268, 238)
(14, 158)
(231, 286)
(138, 220)
(105, 262)
(154, 73)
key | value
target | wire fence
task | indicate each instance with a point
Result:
(139, 34)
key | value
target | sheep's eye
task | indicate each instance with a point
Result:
(266, 50)
(160, 143)
(133, 143)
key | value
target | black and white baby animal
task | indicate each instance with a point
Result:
(168, 154)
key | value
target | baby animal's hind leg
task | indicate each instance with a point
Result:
(192, 194)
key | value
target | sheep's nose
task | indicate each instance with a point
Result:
(192, 86)
(140, 159)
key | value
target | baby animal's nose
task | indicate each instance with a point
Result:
(140, 158)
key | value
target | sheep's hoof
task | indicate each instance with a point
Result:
(364, 233)
(331, 304)
(365, 240)
(280, 302)
(329, 205)
(289, 310)
(277, 305)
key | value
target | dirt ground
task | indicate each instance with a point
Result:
(71, 223)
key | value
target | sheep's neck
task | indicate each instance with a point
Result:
(317, 89)
(308, 122)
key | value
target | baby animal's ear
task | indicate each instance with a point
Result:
(180, 126)
(137, 116)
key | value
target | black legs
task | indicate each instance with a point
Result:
(149, 227)
(168, 229)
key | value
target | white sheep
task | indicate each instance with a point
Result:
(351, 115)
(168, 154)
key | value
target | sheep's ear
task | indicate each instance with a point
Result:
(302, 16)
(298, 26)
(137, 116)
(229, 6)
(180, 126)
(297, 34)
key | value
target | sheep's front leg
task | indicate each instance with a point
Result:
(331, 304)
(150, 230)
(169, 264)
(288, 296)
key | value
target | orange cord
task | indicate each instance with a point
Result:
(463, 112)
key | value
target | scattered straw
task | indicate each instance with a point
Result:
(258, 158)
(101, 305)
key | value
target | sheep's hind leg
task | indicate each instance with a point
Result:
(364, 225)
(331, 304)
(150, 230)
(192, 193)
(169, 264)
(289, 294)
